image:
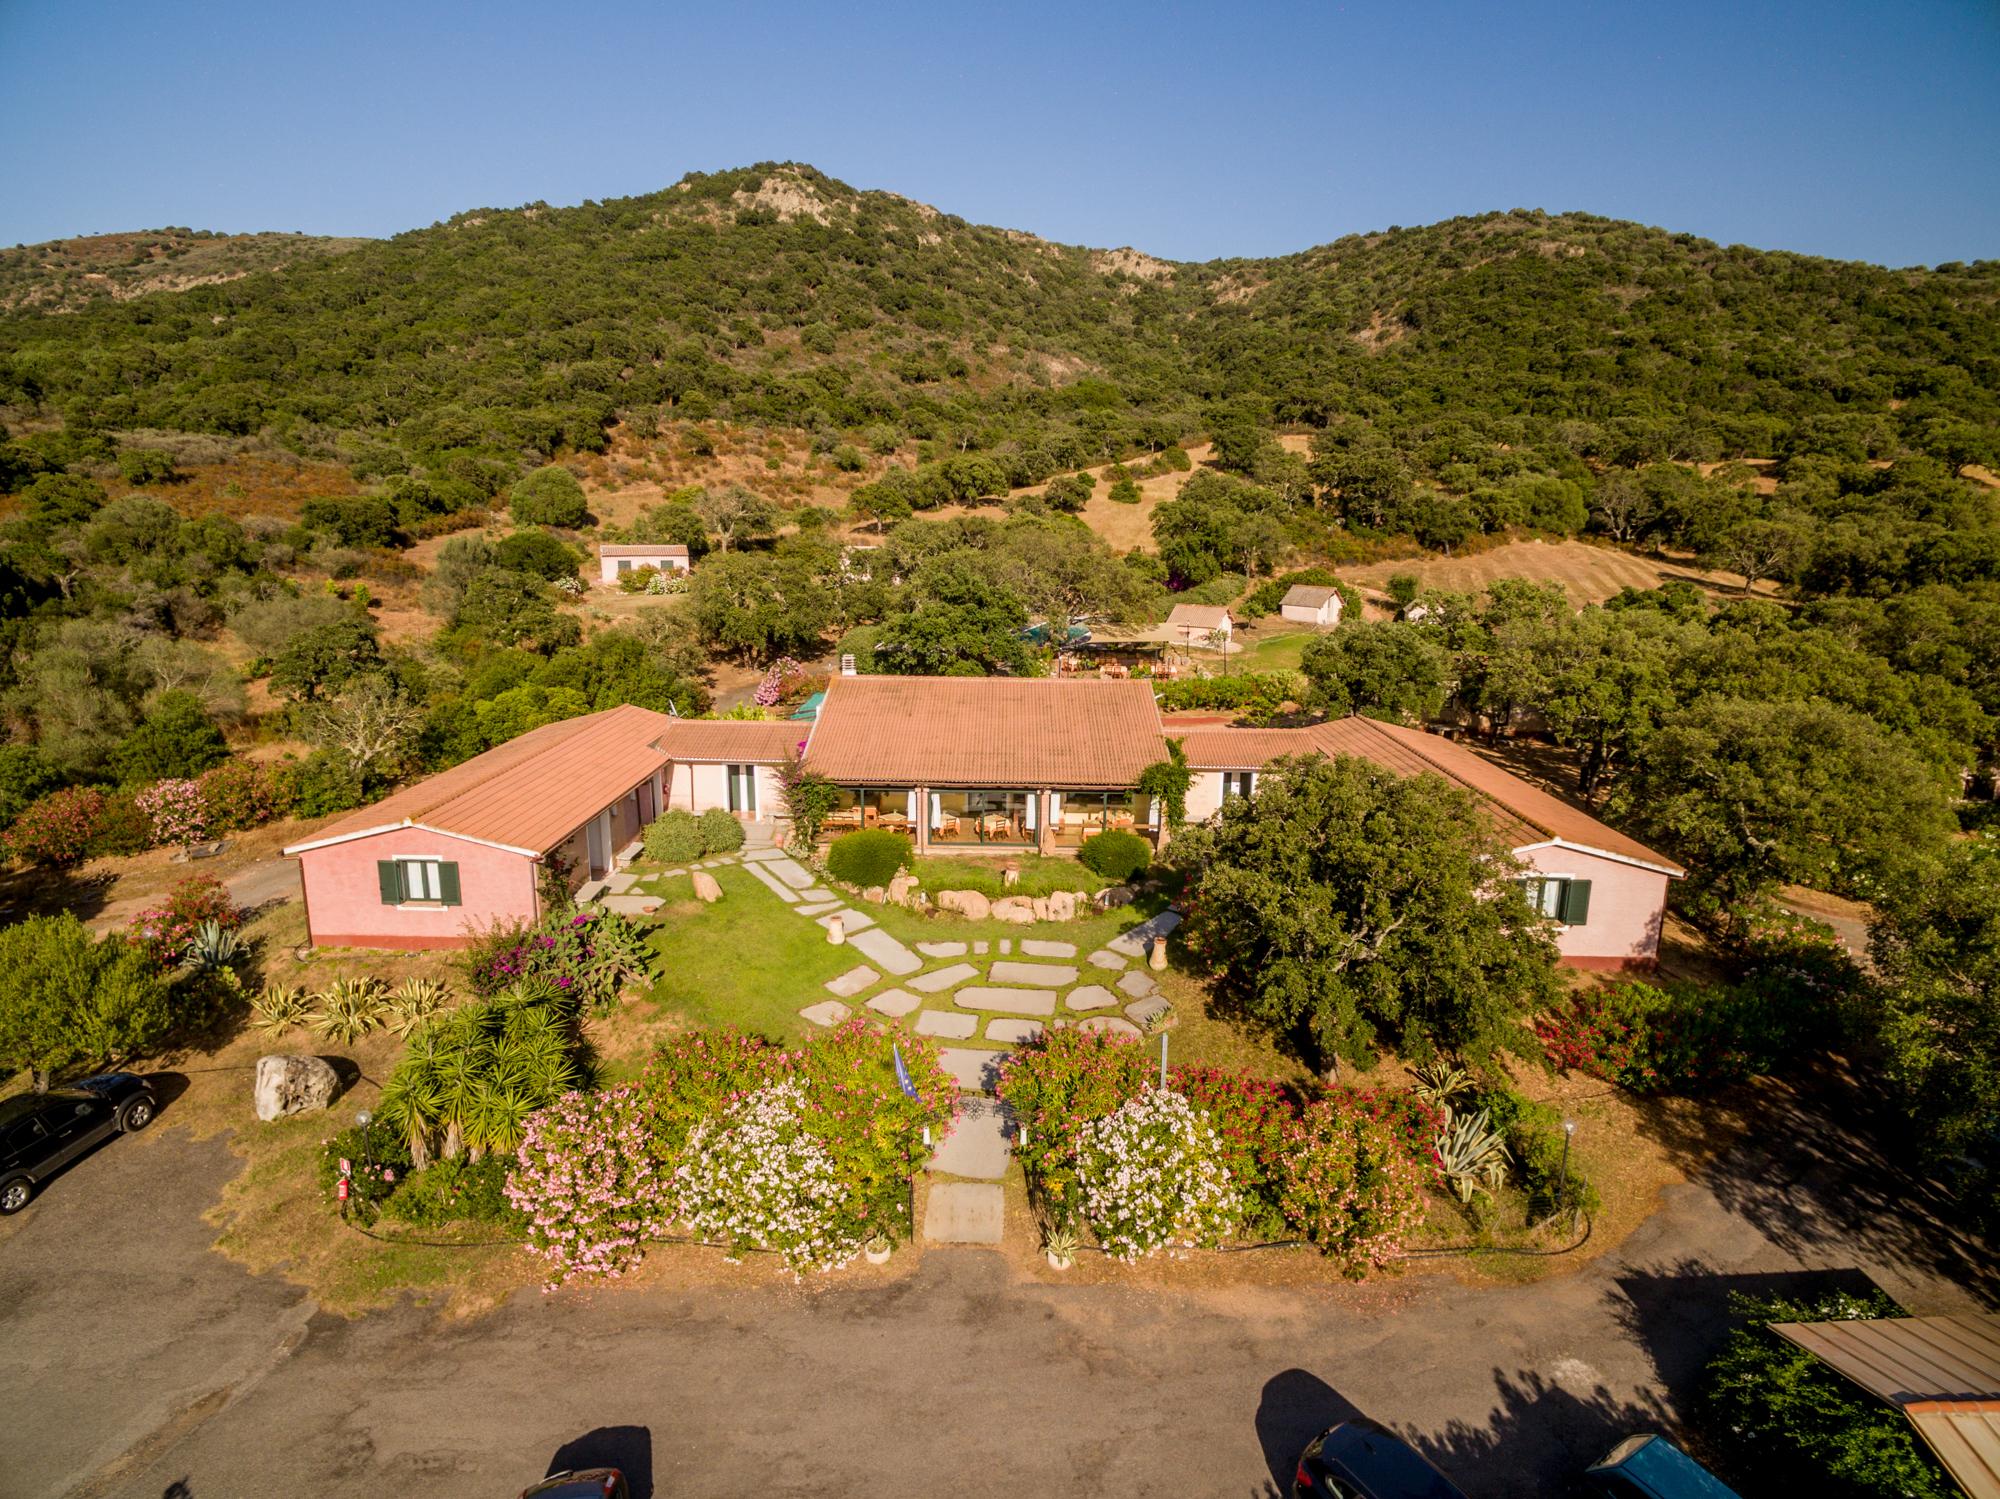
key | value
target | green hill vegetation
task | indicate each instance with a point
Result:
(67, 274)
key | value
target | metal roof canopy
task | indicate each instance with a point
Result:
(1941, 1372)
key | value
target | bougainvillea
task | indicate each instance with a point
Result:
(586, 1179)
(1349, 1186)
(755, 1177)
(56, 829)
(163, 932)
(176, 812)
(1252, 1117)
(588, 955)
(1150, 1176)
(1681, 1038)
(771, 691)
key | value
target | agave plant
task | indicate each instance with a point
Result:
(280, 1007)
(211, 948)
(1471, 1155)
(416, 1002)
(348, 1009)
(1059, 1243)
(1439, 1083)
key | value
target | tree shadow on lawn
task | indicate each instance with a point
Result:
(1809, 1165)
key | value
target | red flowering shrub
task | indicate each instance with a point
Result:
(240, 794)
(123, 827)
(1682, 1038)
(56, 829)
(1253, 1117)
(701, 1073)
(163, 933)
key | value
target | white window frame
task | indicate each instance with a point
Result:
(624, 564)
(432, 878)
(1548, 894)
(1241, 783)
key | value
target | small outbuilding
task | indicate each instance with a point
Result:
(613, 561)
(1311, 605)
(1189, 620)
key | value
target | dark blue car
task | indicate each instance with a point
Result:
(1360, 1460)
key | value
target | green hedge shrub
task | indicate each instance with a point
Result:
(1793, 1425)
(1115, 855)
(872, 856)
(1534, 1135)
(721, 833)
(454, 1191)
(675, 838)
(548, 497)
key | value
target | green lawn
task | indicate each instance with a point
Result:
(745, 961)
(1273, 651)
(1039, 876)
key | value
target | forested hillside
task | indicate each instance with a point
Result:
(777, 295)
(66, 274)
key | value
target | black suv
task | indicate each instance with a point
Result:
(40, 1133)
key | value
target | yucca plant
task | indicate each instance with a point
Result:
(348, 1009)
(1059, 1243)
(416, 1002)
(1439, 1083)
(1471, 1155)
(279, 1007)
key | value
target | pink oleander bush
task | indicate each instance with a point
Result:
(175, 811)
(1349, 1186)
(241, 794)
(755, 1176)
(588, 1182)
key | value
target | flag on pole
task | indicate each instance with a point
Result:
(902, 1073)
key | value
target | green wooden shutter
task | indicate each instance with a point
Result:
(391, 879)
(448, 883)
(1576, 903)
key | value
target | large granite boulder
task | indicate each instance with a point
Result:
(1113, 895)
(1017, 909)
(705, 886)
(1062, 905)
(901, 888)
(293, 1085)
(969, 903)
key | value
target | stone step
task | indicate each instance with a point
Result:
(978, 1144)
(1035, 948)
(943, 978)
(828, 1012)
(944, 1024)
(1011, 1032)
(895, 1003)
(1050, 975)
(771, 882)
(975, 1071)
(792, 872)
(964, 1213)
(1091, 997)
(1135, 941)
(852, 982)
(1116, 1025)
(884, 951)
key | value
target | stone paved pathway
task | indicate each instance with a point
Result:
(977, 991)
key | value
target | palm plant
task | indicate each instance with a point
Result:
(415, 1003)
(1471, 1155)
(280, 1007)
(348, 1009)
(472, 1076)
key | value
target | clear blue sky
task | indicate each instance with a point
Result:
(1869, 131)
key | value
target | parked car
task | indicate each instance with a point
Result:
(1651, 1467)
(585, 1483)
(1360, 1460)
(40, 1133)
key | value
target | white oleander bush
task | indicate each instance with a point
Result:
(1152, 1177)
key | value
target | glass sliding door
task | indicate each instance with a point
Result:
(743, 790)
(1079, 814)
(1004, 819)
(857, 807)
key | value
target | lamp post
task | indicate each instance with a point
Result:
(365, 1119)
(1562, 1191)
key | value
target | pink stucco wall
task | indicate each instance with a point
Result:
(697, 788)
(344, 896)
(1627, 905)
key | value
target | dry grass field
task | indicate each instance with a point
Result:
(1589, 574)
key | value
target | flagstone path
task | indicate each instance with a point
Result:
(991, 993)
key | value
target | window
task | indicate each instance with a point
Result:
(624, 564)
(1560, 898)
(418, 879)
(1238, 783)
(743, 789)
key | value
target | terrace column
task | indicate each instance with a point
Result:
(923, 828)
(1045, 833)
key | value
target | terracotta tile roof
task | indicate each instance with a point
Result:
(1941, 1372)
(531, 792)
(1307, 596)
(745, 741)
(1015, 732)
(643, 549)
(1199, 616)
(1524, 811)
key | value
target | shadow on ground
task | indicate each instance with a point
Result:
(629, 1449)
